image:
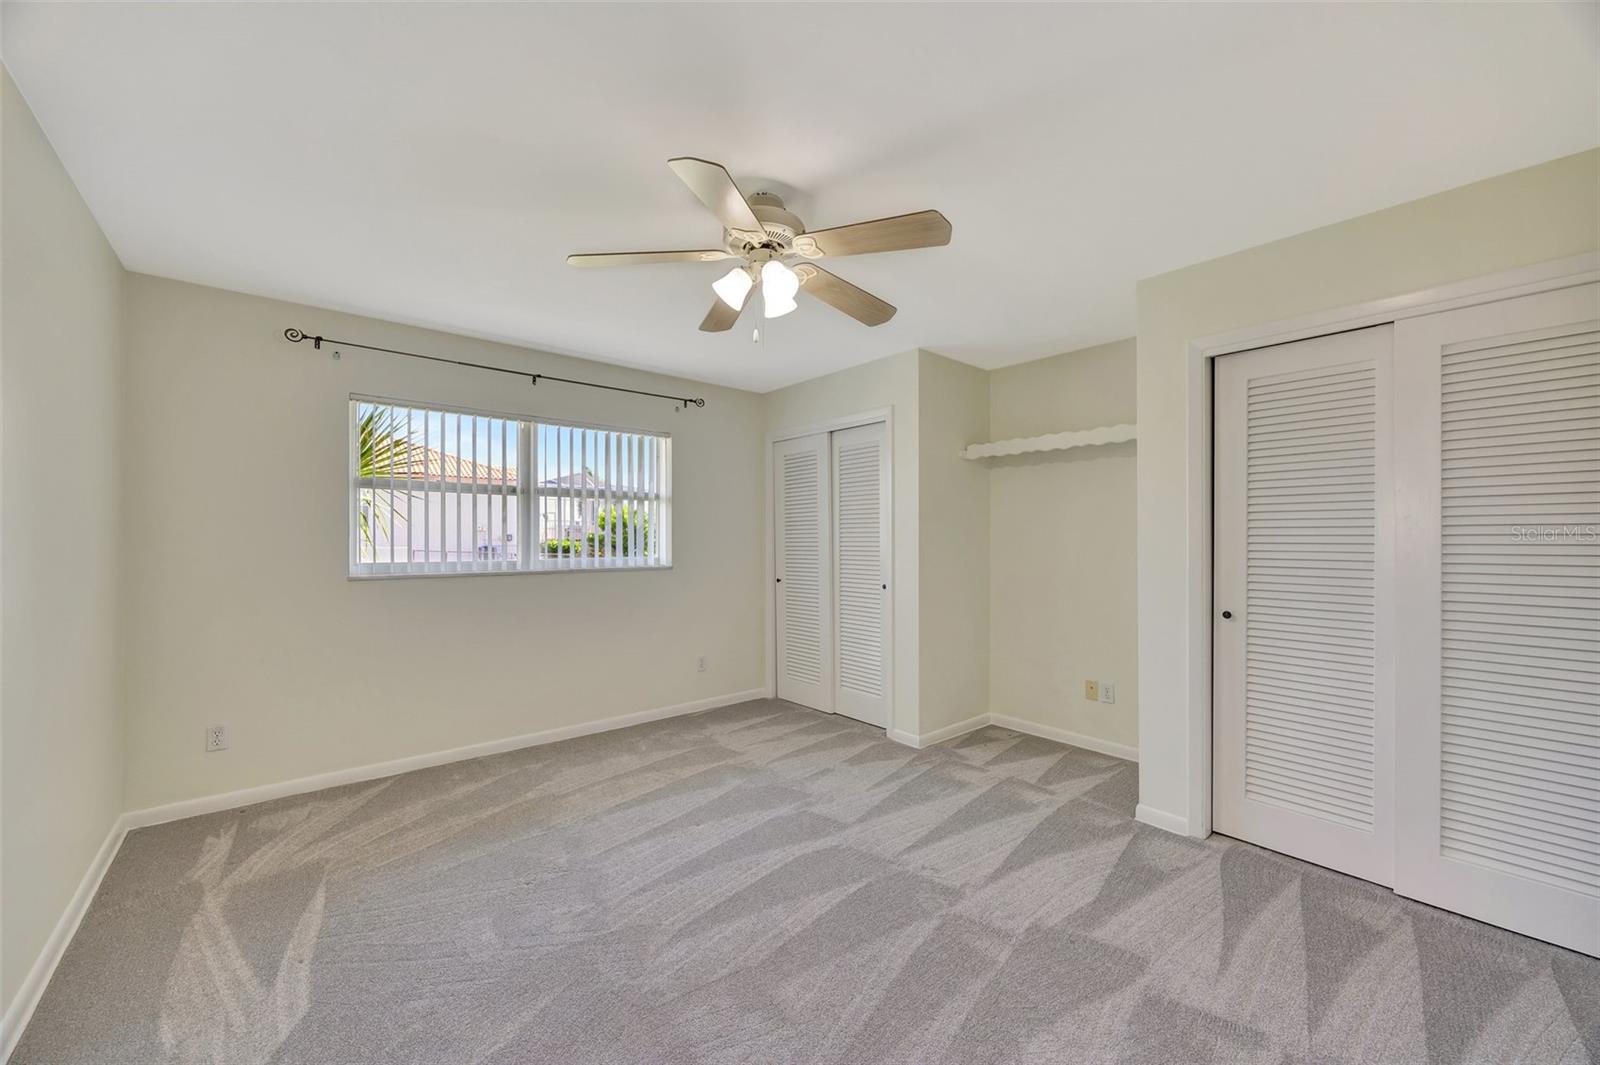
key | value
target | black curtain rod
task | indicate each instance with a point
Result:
(295, 336)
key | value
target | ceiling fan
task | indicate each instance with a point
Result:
(777, 251)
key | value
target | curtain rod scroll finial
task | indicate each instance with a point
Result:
(294, 336)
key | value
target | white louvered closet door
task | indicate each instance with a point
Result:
(861, 550)
(1498, 482)
(803, 542)
(1303, 672)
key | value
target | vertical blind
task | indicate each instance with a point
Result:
(443, 491)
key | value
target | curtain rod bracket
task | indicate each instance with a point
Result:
(295, 336)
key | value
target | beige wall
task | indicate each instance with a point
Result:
(234, 549)
(892, 383)
(61, 753)
(1061, 556)
(1543, 213)
(953, 533)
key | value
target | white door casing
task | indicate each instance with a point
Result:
(802, 533)
(1498, 490)
(861, 553)
(1303, 724)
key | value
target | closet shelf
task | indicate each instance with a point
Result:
(1104, 434)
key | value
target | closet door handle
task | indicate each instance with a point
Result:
(1227, 615)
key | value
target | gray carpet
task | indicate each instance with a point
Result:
(766, 884)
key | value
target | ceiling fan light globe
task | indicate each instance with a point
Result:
(777, 280)
(734, 287)
(778, 287)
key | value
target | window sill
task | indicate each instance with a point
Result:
(502, 573)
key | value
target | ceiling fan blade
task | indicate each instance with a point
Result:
(720, 318)
(638, 258)
(921, 229)
(714, 187)
(835, 291)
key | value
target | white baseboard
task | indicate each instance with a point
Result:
(950, 732)
(1161, 819)
(1061, 735)
(1015, 724)
(939, 735)
(22, 1004)
(209, 804)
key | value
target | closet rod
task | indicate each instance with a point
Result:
(295, 336)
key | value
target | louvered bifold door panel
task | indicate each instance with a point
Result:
(804, 571)
(861, 499)
(1303, 558)
(1520, 443)
(1508, 822)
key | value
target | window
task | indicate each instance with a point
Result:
(437, 491)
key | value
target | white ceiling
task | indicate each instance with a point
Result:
(434, 164)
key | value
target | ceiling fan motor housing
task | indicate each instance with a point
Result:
(781, 225)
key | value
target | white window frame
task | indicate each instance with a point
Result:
(637, 474)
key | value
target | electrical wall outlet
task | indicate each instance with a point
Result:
(700, 664)
(217, 738)
(1091, 690)
(1108, 692)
